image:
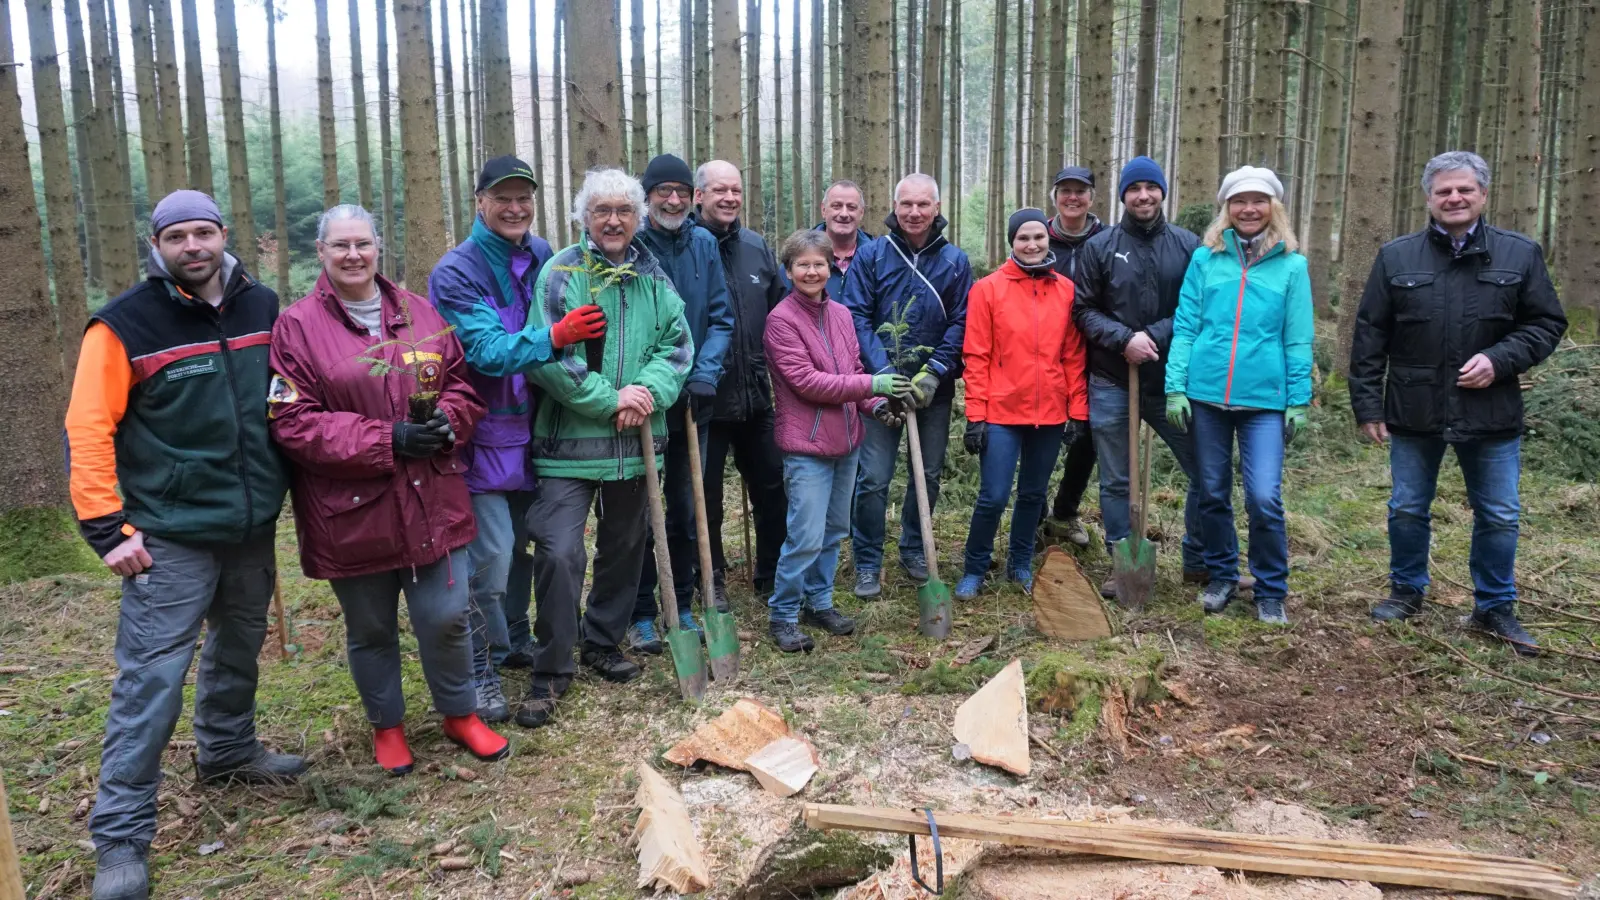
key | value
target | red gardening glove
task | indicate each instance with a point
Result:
(581, 324)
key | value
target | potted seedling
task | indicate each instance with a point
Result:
(600, 275)
(424, 368)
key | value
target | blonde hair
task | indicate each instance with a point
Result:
(1279, 228)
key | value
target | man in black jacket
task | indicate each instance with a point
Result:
(1127, 292)
(741, 419)
(1451, 315)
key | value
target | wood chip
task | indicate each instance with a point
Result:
(993, 723)
(784, 766)
(731, 738)
(669, 854)
(971, 650)
(1066, 604)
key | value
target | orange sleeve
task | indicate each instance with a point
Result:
(99, 400)
(976, 349)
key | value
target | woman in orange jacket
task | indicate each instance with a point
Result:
(1026, 388)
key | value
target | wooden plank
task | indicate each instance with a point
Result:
(10, 871)
(993, 723)
(784, 766)
(1221, 850)
(1066, 605)
(669, 854)
(731, 738)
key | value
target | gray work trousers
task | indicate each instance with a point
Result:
(555, 523)
(437, 597)
(226, 587)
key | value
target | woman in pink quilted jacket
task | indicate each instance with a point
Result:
(820, 392)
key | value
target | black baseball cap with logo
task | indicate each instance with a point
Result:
(502, 167)
(1074, 173)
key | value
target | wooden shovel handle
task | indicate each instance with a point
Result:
(1135, 495)
(924, 516)
(658, 525)
(702, 532)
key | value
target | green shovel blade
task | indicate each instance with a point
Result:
(1133, 567)
(933, 609)
(722, 644)
(689, 663)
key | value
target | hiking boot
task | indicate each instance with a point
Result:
(266, 768)
(916, 567)
(1216, 596)
(1403, 603)
(1070, 530)
(1108, 588)
(968, 587)
(868, 586)
(1501, 621)
(642, 637)
(762, 587)
(789, 637)
(518, 659)
(611, 665)
(1270, 612)
(1245, 584)
(1024, 578)
(686, 622)
(469, 733)
(492, 705)
(830, 620)
(719, 597)
(122, 873)
(390, 749)
(537, 707)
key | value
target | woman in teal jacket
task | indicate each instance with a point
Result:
(1240, 366)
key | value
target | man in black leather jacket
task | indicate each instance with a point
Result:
(1127, 283)
(1451, 315)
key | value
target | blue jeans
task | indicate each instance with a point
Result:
(502, 534)
(1491, 469)
(879, 451)
(1037, 449)
(819, 489)
(1260, 435)
(1108, 418)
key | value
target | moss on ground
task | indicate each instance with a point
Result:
(40, 542)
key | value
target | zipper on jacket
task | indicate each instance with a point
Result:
(622, 356)
(238, 417)
(1238, 310)
(1038, 371)
(844, 409)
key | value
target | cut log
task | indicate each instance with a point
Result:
(804, 862)
(1304, 857)
(784, 766)
(731, 738)
(1066, 604)
(669, 853)
(993, 723)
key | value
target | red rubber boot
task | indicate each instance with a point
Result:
(479, 739)
(389, 745)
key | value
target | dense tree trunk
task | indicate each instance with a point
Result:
(908, 106)
(386, 139)
(194, 81)
(778, 210)
(1330, 160)
(499, 123)
(876, 147)
(1583, 252)
(241, 219)
(1374, 123)
(83, 118)
(469, 97)
(152, 138)
(1019, 140)
(686, 77)
(535, 87)
(641, 92)
(119, 263)
(931, 118)
(1450, 21)
(1200, 67)
(728, 97)
(120, 111)
(1038, 74)
(850, 91)
(167, 88)
(702, 80)
(1145, 89)
(1095, 60)
(456, 228)
(1575, 108)
(1494, 97)
(419, 141)
(898, 101)
(596, 105)
(280, 195)
(1472, 72)
(1056, 116)
(358, 90)
(754, 190)
(955, 116)
(818, 113)
(622, 85)
(72, 305)
(30, 352)
(796, 186)
(1423, 137)
(994, 205)
(837, 168)
(558, 127)
(1267, 115)
(326, 129)
(1519, 207)
(475, 78)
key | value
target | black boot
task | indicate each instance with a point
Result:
(1217, 595)
(789, 637)
(830, 620)
(122, 873)
(1403, 603)
(610, 664)
(1501, 622)
(537, 708)
(265, 767)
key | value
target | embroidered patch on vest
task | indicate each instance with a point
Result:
(207, 366)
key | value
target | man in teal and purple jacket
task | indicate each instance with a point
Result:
(483, 287)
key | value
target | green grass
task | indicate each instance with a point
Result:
(41, 542)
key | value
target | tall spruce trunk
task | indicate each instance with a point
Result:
(499, 124)
(818, 114)
(1056, 116)
(877, 147)
(1020, 138)
(469, 96)
(837, 168)
(326, 131)
(1472, 72)
(596, 105)
(1446, 75)
(727, 95)
(280, 196)
(1374, 124)
(72, 304)
(1266, 116)
(1200, 68)
(456, 228)
(386, 137)
(358, 90)
(1145, 85)
(849, 90)
(536, 88)
(1583, 249)
(910, 104)
(685, 75)
(994, 205)
(778, 210)
(698, 27)
(796, 186)
(1520, 190)
(167, 87)
(660, 91)
(640, 107)
(120, 110)
(83, 118)
(1038, 75)
(119, 264)
(1330, 160)
(152, 138)
(1095, 59)
(30, 352)
(419, 141)
(558, 125)
(194, 82)
(754, 190)
(955, 116)
(1424, 139)
(1573, 108)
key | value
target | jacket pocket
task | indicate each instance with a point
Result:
(1412, 296)
(1497, 293)
(1411, 398)
(360, 523)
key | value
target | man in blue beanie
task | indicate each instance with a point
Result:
(1127, 282)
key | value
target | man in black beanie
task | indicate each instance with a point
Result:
(690, 257)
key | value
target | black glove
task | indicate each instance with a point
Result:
(416, 441)
(1076, 431)
(701, 398)
(976, 438)
(440, 424)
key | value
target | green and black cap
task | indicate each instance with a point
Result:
(502, 167)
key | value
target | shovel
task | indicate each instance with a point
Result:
(1133, 559)
(722, 634)
(933, 598)
(685, 645)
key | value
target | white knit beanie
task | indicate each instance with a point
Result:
(1250, 178)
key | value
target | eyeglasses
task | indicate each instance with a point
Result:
(341, 248)
(665, 191)
(620, 213)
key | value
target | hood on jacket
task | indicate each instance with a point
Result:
(935, 231)
(156, 267)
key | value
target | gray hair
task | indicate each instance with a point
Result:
(848, 185)
(917, 179)
(606, 182)
(345, 212)
(1454, 161)
(806, 240)
(702, 175)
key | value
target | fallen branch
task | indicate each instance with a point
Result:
(1531, 773)
(1587, 698)
(1557, 610)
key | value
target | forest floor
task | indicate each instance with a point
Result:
(1386, 730)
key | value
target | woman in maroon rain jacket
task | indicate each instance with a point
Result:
(380, 501)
